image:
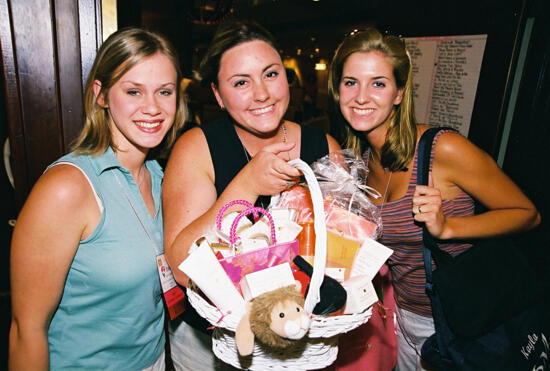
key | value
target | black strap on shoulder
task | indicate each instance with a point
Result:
(424, 152)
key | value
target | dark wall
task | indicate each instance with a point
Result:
(528, 153)
(307, 25)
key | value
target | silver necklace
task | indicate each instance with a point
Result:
(369, 154)
(386, 191)
(284, 141)
(155, 246)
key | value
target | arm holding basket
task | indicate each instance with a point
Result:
(190, 201)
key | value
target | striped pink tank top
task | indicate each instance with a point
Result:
(404, 237)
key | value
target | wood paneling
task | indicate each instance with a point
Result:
(37, 80)
(12, 102)
(48, 48)
(69, 66)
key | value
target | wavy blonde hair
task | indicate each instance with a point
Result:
(116, 56)
(399, 147)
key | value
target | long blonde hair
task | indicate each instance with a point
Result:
(116, 56)
(399, 147)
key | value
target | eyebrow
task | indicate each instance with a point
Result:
(247, 75)
(373, 78)
(139, 84)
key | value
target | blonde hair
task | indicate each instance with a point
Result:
(116, 56)
(399, 147)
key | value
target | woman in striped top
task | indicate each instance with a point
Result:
(370, 82)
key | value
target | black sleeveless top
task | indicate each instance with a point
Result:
(229, 156)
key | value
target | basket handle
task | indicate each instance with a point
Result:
(227, 206)
(255, 210)
(319, 224)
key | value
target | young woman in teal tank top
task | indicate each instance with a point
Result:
(85, 289)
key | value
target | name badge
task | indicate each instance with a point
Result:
(174, 297)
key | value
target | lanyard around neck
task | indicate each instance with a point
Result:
(155, 246)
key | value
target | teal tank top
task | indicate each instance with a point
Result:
(111, 314)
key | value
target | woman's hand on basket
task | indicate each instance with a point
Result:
(268, 174)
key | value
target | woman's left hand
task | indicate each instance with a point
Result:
(427, 208)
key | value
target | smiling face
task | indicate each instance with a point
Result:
(252, 86)
(142, 103)
(368, 91)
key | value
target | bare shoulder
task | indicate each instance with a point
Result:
(62, 200)
(453, 147)
(189, 142)
(64, 185)
(333, 145)
(190, 153)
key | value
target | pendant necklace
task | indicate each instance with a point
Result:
(386, 191)
(248, 157)
(368, 157)
(284, 141)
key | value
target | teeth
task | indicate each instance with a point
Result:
(262, 110)
(147, 124)
(363, 111)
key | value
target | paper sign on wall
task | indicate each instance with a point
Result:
(445, 76)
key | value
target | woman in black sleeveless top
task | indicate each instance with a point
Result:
(243, 156)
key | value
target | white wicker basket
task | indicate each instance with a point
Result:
(320, 347)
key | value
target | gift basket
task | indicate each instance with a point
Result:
(319, 347)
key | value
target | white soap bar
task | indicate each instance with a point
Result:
(206, 271)
(361, 294)
(269, 279)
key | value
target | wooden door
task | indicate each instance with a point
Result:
(47, 49)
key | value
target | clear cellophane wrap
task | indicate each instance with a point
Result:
(349, 211)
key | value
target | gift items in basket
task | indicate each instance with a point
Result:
(352, 252)
(353, 221)
(319, 345)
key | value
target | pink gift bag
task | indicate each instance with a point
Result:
(238, 266)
